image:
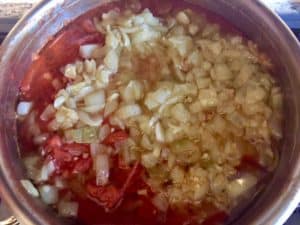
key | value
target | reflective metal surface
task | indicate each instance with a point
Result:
(272, 207)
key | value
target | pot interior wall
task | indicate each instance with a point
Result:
(248, 16)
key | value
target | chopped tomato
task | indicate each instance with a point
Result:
(54, 142)
(61, 156)
(115, 137)
(82, 165)
(108, 196)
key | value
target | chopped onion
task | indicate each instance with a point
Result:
(183, 18)
(96, 98)
(46, 171)
(160, 202)
(40, 139)
(68, 209)
(24, 108)
(128, 111)
(70, 71)
(157, 98)
(29, 187)
(241, 185)
(31, 165)
(102, 169)
(133, 91)
(83, 92)
(103, 132)
(49, 194)
(112, 60)
(149, 160)
(87, 119)
(86, 51)
(110, 107)
(159, 133)
(59, 101)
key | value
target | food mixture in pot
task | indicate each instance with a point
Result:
(138, 114)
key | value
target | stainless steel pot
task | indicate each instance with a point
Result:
(282, 194)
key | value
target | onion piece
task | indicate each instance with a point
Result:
(241, 185)
(59, 101)
(24, 108)
(160, 202)
(49, 194)
(159, 133)
(128, 111)
(103, 132)
(95, 99)
(86, 51)
(46, 171)
(40, 139)
(68, 209)
(87, 119)
(102, 169)
(29, 187)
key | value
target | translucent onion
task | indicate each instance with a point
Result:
(59, 101)
(95, 99)
(40, 139)
(86, 51)
(128, 111)
(102, 169)
(159, 133)
(89, 120)
(29, 187)
(160, 202)
(103, 132)
(24, 108)
(68, 209)
(241, 185)
(46, 171)
(49, 194)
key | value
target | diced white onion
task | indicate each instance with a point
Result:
(86, 51)
(88, 120)
(157, 98)
(24, 108)
(129, 111)
(241, 185)
(94, 102)
(49, 194)
(59, 101)
(102, 169)
(112, 60)
(29, 187)
(70, 71)
(68, 209)
(160, 202)
(159, 133)
(46, 171)
(183, 18)
(103, 132)
(110, 107)
(40, 139)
